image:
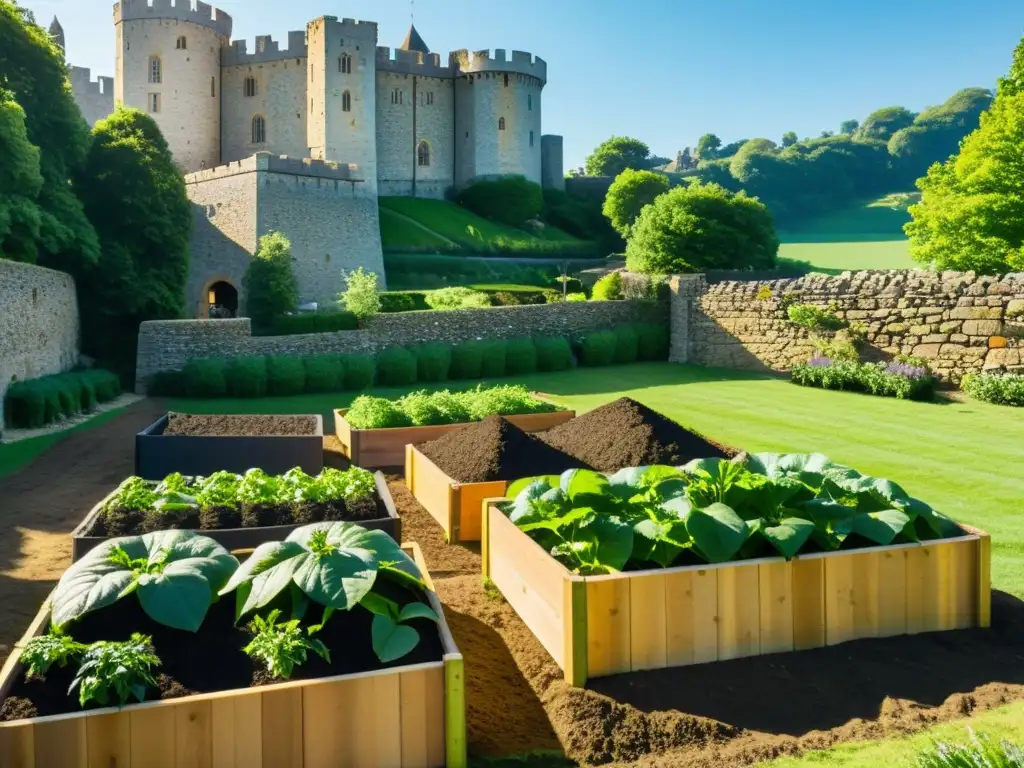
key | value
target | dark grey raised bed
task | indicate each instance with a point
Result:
(245, 538)
(158, 455)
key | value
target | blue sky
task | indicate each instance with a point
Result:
(667, 71)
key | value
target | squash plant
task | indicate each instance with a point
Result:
(715, 510)
(337, 566)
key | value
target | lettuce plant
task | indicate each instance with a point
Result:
(176, 575)
(219, 490)
(352, 483)
(444, 407)
(257, 487)
(133, 494)
(114, 673)
(337, 566)
(715, 511)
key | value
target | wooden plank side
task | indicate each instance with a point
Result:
(326, 710)
(647, 622)
(373, 736)
(61, 743)
(808, 603)
(839, 619)
(892, 592)
(942, 564)
(153, 736)
(964, 577)
(574, 630)
(704, 585)
(193, 742)
(437, 732)
(984, 575)
(865, 594)
(282, 728)
(233, 722)
(414, 718)
(432, 489)
(775, 589)
(469, 499)
(917, 576)
(455, 743)
(608, 627)
(739, 620)
(679, 618)
(17, 746)
(108, 740)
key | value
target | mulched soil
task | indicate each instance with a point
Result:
(495, 449)
(626, 433)
(239, 426)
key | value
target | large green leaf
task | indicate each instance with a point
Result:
(608, 543)
(717, 532)
(178, 598)
(659, 541)
(417, 611)
(390, 639)
(538, 502)
(789, 535)
(517, 487)
(930, 524)
(263, 558)
(266, 585)
(880, 527)
(338, 580)
(585, 487)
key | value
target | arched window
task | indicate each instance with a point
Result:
(531, 138)
(345, 64)
(259, 130)
(250, 86)
(396, 96)
(501, 123)
(213, 87)
(346, 102)
(423, 154)
(529, 102)
(155, 70)
(182, 43)
(506, 80)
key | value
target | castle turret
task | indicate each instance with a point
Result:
(168, 65)
(57, 33)
(498, 114)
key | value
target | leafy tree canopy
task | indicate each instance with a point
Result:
(20, 183)
(616, 155)
(269, 282)
(707, 147)
(628, 195)
(884, 122)
(849, 127)
(789, 138)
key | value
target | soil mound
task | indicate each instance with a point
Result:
(626, 433)
(495, 449)
(239, 426)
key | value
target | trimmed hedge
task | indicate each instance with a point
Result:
(204, 377)
(309, 322)
(598, 348)
(396, 367)
(324, 373)
(467, 359)
(37, 402)
(246, 377)
(553, 354)
(359, 371)
(433, 361)
(403, 301)
(520, 357)
(286, 375)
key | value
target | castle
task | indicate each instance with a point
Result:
(303, 139)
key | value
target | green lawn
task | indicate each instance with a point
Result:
(960, 457)
(397, 232)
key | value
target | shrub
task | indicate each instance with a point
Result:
(510, 299)
(492, 358)
(324, 373)
(166, 384)
(652, 341)
(286, 375)
(627, 196)
(403, 301)
(358, 371)
(376, 413)
(311, 322)
(246, 377)
(598, 348)
(362, 295)
(269, 283)
(457, 298)
(204, 377)
(433, 361)
(576, 297)
(38, 402)
(1000, 389)
(608, 288)
(467, 359)
(511, 200)
(396, 367)
(883, 379)
(520, 357)
(425, 408)
(553, 354)
(627, 344)
(981, 752)
(814, 318)
(837, 349)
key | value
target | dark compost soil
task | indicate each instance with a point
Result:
(626, 433)
(495, 449)
(212, 658)
(238, 426)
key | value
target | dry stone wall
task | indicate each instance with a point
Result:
(169, 344)
(958, 321)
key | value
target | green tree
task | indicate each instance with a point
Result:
(20, 183)
(135, 197)
(883, 123)
(789, 138)
(849, 127)
(701, 227)
(971, 214)
(616, 155)
(707, 147)
(33, 69)
(269, 282)
(628, 195)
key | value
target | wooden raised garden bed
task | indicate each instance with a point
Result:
(604, 625)
(234, 539)
(371, 448)
(158, 455)
(407, 715)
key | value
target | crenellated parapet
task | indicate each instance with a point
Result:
(267, 49)
(293, 166)
(412, 63)
(82, 83)
(477, 62)
(181, 10)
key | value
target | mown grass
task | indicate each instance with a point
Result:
(397, 232)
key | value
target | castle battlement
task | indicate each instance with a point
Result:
(267, 49)
(292, 166)
(483, 61)
(181, 10)
(82, 82)
(411, 63)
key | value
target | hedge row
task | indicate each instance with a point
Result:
(38, 402)
(431, 362)
(309, 322)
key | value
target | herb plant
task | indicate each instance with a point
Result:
(281, 647)
(113, 673)
(714, 511)
(40, 653)
(176, 574)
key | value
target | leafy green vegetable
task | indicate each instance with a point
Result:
(715, 511)
(176, 575)
(444, 407)
(219, 490)
(352, 483)
(133, 494)
(40, 653)
(116, 672)
(283, 646)
(257, 487)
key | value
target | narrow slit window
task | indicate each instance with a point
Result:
(154, 103)
(259, 130)
(501, 123)
(531, 138)
(346, 102)
(423, 154)
(155, 70)
(529, 102)
(213, 87)
(345, 64)
(250, 87)
(396, 96)
(506, 81)
(182, 44)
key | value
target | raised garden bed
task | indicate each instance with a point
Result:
(402, 714)
(609, 623)
(85, 536)
(204, 444)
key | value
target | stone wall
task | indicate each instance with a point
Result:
(38, 323)
(958, 321)
(169, 344)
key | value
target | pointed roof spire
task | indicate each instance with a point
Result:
(57, 33)
(413, 42)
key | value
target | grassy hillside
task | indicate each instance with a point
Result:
(864, 236)
(436, 226)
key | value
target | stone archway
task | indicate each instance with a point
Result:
(221, 296)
